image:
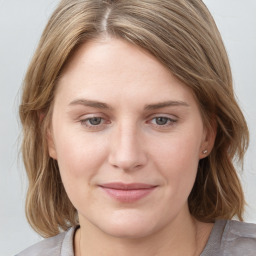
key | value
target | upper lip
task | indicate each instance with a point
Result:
(127, 186)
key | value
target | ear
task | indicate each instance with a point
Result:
(49, 136)
(51, 144)
(208, 141)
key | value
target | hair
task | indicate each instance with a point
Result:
(183, 36)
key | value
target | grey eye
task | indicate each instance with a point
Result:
(161, 120)
(95, 120)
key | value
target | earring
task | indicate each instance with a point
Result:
(205, 151)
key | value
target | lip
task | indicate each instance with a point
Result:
(127, 193)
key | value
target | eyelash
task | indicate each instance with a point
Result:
(84, 122)
(169, 121)
(87, 122)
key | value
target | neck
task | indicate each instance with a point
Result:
(168, 241)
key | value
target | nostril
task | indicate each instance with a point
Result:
(126, 152)
(127, 167)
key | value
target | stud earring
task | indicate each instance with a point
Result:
(205, 151)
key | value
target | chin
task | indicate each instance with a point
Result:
(130, 226)
(128, 231)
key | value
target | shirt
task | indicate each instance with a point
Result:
(227, 238)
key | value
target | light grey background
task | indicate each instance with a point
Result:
(21, 24)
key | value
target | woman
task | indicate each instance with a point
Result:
(130, 128)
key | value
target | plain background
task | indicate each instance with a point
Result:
(21, 24)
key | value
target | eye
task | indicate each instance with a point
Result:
(163, 121)
(93, 122)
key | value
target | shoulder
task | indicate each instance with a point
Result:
(239, 238)
(62, 244)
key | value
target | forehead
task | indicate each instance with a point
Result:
(112, 69)
(113, 56)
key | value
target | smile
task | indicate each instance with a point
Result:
(127, 193)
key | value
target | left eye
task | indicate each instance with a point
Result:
(161, 121)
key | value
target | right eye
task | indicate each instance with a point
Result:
(94, 122)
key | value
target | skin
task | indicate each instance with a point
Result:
(128, 142)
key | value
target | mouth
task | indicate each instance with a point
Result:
(127, 193)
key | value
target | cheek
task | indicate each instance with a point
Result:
(79, 160)
(78, 154)
(177, 159)
(178, 150)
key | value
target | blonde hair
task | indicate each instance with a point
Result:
(183, 36)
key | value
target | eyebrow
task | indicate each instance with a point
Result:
(101, 105)
(90, 103)
(170, 103)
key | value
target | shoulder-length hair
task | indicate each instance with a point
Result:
(183, 36)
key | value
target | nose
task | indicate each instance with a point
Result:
(126, 149)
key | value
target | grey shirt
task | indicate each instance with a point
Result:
(228, 238)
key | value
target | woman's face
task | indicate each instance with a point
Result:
(127, 136)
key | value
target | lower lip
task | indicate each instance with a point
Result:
(128, 196)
